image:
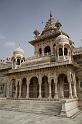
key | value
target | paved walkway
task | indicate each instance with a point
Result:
(11, 117)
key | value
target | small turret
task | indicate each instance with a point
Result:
(17, 58)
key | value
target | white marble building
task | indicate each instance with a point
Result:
(52, 74)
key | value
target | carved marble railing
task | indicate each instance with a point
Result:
(5, 65)
(78, 51)
(44, 59)
(40, 65)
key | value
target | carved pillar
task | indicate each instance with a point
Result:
(28, 82)
(51, 48)
(16, 89)
(70, 84)
(74, 81)
(69, 54)
(49, 81)
(40, 82)
(35, 52)
(63, 52)
(56, 88)
(8, 88)
(20, 83)
(58, 54)
(42, 50)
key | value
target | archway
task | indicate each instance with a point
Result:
(18, 61)
(13, 88)
(45, 87)
(60, 52)
(34, 88)
(63, 86)
(40, 51)
(65, 51)
(47, 50)
(24, 88)
(52, 88)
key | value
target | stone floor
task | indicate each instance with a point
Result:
(12, 117)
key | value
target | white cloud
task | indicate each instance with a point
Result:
(9, 44)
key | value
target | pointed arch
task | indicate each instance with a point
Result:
(63, 86)
(34, 88)
(24, 88)
(45, 87)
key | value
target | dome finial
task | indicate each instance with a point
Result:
(50, 15)
(19, 45)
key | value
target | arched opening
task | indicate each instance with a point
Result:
(18, 61)
(63, 86)
(34, 88)
(13, 88)
(54, 45)
(60, 52)
(18, 88)
(65, 51)
(52, 88)
(47, 50)
(24, 88)
(45, 87)
(40, 51)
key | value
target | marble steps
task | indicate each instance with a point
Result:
(34, 106)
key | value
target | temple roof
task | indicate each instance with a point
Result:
(51, 29)
(51, 25)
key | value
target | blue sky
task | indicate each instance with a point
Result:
(19, 18)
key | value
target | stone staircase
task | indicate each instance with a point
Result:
(33, 106)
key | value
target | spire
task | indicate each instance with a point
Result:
(50, 15)
(19, 44)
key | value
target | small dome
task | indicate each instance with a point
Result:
(18, 51)
(62, 38)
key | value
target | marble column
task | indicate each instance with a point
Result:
(28, 82)
(40, 82)
(70, 84)
(42, 50)
(56, 88)
(20, 83)
(8, 88)
(16, 89)
(74, 81)
(70, 90)
(51, 48)
(49, 81)
(63, 52)
(58, 54)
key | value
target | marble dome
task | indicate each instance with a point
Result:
(18, 51)
(62, 38)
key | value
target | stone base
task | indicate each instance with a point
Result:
(33, 106)
(65, 107)
(80, 103)
(69, 107)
